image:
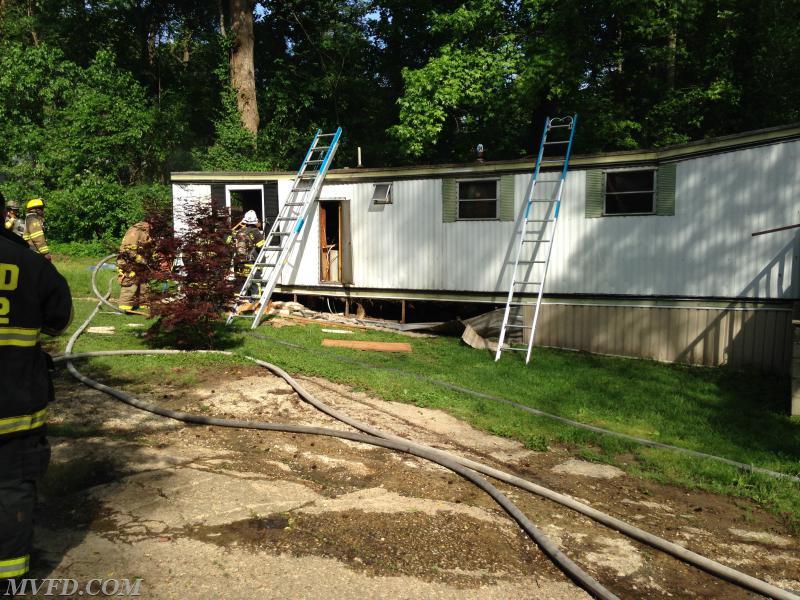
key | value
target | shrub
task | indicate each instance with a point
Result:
(189, 299)
(97, 209)
(93, 249)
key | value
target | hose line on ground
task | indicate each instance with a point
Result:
(710, 566)
(540, 413)
(535, 411)
(567, 566)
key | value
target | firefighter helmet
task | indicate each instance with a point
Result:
(35, 203)
(250, 218)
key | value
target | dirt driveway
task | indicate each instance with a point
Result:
(206, 512)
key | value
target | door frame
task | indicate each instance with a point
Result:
(235, 187)
(345, 241)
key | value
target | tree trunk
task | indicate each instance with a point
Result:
(243, 76)
(34, 35)
(672, 46)
(221, 18)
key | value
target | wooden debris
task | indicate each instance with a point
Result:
(376, 346)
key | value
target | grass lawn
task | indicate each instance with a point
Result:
(734, 414)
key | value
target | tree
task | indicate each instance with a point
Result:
(243, 77)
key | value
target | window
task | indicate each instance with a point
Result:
(630, 192)
(477, 199)
(382, 193)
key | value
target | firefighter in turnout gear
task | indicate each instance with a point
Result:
(34, 227)
(247, 244)
(130, 263)
(12, 221)
(34, 298)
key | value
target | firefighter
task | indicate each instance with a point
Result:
(130, 261)
(12, 221)
(247, 243)
(34, 227)
(34, 298)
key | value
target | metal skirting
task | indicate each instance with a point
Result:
(739, 337)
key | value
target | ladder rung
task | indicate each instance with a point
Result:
(557, 161)
(322, 135)
(315, 162)
(513, 349)
(286, 218)
(527, 283)
(557, 142)
(319, 148)
(294, 204)
(518, 326)
(540, 220)
(560, 126)
(530, 262)
(301, 189)
(543, 201)
(534, 241)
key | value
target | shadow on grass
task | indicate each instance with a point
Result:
(214, 335)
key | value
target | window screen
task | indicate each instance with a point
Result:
(382, 194)
(630, 192)
(477, 199)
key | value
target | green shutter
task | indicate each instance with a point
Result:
(449, 200)
(505, 205)
(665, 189)
(594, 193)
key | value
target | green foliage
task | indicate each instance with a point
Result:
(92, 249)
(61, 122)
(98, 209)
(234, 148)
(106, 126)
(468, 86)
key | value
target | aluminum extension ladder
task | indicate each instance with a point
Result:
(273, 257)
(535, 244)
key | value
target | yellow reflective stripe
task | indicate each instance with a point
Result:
(14, 567)
(44, 250)
(259, 244)
(18, 336)
(37, 234)
(23, 423)
(125, 307)
(26, 237)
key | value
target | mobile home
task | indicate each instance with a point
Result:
(670, 272)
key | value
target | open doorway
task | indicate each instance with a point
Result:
(334, 242)
(242, 200)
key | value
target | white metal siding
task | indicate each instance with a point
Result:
(704, 250)
(184, 195)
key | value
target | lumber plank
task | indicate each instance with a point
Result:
(375, 346)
